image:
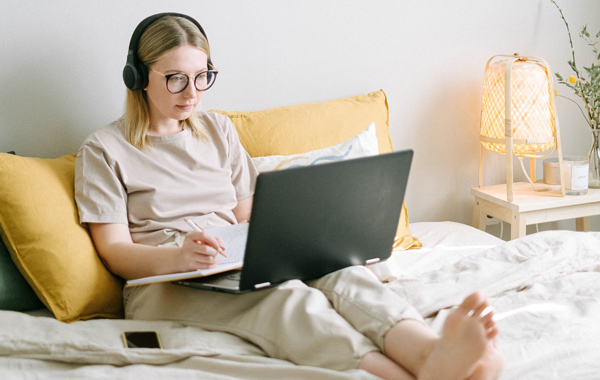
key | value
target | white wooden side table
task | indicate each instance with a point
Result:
(531, 207)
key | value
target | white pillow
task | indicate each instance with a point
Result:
(361, 145)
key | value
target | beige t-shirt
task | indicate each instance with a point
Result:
(153, 190)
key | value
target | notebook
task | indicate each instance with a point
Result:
(307, 222)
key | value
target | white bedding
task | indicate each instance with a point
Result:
(555, 267)
(443, 244)
(558, 267)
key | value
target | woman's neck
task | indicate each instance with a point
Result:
(165, 129)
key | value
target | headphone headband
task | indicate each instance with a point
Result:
(135, 73)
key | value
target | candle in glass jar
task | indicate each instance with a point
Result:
(575, 170)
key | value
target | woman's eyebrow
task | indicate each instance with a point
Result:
(174, 71)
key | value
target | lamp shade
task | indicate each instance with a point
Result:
(531, 118)
(518, 115)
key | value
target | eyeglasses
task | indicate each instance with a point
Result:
(178, 82)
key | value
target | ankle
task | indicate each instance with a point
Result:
(410, 343)
(378, 364)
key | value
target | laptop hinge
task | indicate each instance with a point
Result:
(372, 261)
(262, 285)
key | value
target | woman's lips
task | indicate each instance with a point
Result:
(187, 107)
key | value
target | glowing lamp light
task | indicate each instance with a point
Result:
(518, 115)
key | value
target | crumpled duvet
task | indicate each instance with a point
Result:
(40, 346)
(553, 267)
(558, 267)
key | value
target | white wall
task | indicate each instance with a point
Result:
(61, 62)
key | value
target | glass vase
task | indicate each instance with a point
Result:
(594, 180)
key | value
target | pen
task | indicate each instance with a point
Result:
(197, 228)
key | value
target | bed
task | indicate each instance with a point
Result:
(76, 333)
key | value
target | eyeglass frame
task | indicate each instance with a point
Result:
(168, 76)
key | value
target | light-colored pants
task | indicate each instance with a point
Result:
(329, 323)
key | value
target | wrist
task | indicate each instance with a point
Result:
(178, 260)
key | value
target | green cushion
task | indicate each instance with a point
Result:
(15, 292)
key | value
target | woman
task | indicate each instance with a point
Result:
(139, 177)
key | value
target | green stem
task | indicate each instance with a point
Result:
(570, 39)
(581, 109)
(575, 65)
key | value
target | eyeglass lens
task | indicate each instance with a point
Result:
(179, 82)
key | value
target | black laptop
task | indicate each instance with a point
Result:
(310, 221)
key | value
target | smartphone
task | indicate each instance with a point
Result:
(141, 339)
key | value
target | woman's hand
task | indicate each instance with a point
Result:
(130, 260)
(200, 251)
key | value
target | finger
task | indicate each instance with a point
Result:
(221, 243)
(205, 249)
(219, 246)
(206, 261)
(207, 239)
(207, 252)
(201, 240)
(198, 249)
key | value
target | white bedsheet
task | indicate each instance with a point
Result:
(443, 244)
(558, 267)
(554, 267)
(41, 347)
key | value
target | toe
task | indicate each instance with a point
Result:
(472, 303)
(491, 333)
(483, 309)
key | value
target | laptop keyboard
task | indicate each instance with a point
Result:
(234, 277)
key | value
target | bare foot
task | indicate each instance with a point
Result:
(466, 339)
(491, 365)
(380, 365)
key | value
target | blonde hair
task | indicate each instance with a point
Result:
(162, 36)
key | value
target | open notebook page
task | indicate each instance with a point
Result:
(234, 238)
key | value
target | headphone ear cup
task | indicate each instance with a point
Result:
(135, 76)
(130, 77)
(143, 74)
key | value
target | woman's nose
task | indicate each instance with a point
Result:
(190, 91)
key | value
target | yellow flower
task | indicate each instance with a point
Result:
(572, 79)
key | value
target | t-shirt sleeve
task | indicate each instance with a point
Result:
(99, 193)
(243, 171)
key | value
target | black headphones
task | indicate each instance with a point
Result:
(135, 73)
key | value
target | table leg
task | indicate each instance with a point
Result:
(583, 224)
(518, 227)
(479, 218)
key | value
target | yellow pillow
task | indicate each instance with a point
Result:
(54, 253)
(307, 127)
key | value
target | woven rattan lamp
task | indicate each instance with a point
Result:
(518, 115)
